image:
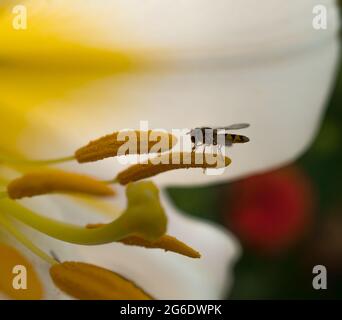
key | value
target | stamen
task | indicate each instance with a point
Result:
(166, 242)
(167, 162)
(51, 181)
(144, 217)
(8, 225)
(129, 142)
(89, 282)
(30, 162)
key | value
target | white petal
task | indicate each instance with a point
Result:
(193, 27)
(280, 86)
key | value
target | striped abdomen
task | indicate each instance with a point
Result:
(236, 138)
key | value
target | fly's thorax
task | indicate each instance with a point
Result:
(203, 135)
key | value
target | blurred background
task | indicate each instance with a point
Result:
(287, 221)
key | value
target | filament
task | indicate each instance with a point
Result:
(8, 225)
(30, 162)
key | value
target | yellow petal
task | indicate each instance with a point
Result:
(89, 282)
(137, 142)
(50, 181)
(9, 259)
(49, 60)
(53, 38)
(171, 161)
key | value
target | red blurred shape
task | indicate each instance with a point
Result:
(270, 212)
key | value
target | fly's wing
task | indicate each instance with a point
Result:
(234, 126)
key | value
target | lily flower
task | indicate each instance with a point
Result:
(83, 70)
(142, 224)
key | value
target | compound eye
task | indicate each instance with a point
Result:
(193, 139)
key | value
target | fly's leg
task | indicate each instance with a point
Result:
(54, 255)
(205, 146)
(194, 147)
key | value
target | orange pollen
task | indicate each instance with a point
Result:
(52, 181)
(126, 142)
(169, 162)
(89, 282)
(166, 242)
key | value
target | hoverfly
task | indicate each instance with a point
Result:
(218, 136)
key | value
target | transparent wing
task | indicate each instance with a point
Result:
(234, 126)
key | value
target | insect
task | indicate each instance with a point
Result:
(218, 136)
